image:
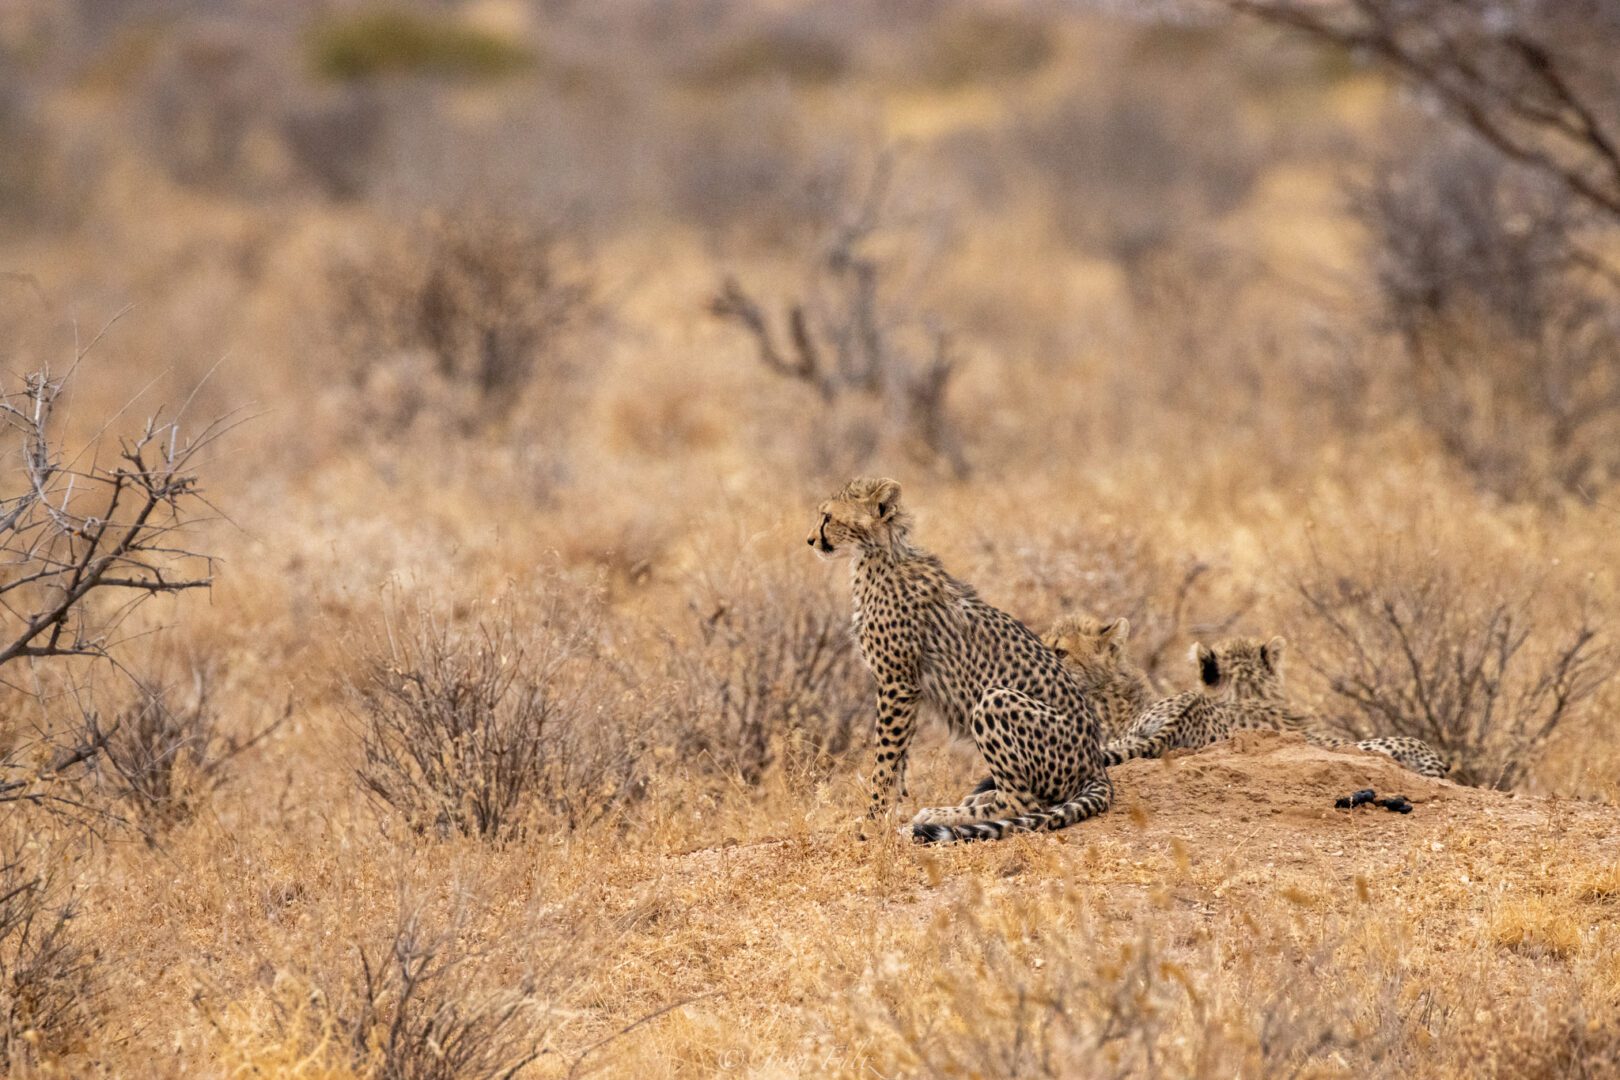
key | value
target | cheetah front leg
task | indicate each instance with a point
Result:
(1165, 727)
(896, 724)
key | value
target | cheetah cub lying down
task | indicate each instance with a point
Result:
(1241, 687)
(928, 637)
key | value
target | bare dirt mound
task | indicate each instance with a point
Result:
(1258, 774)
(1249, 817)
(1229, 853)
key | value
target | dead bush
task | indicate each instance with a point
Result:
(1507, 324)
(335, 137)
(1533, 81)
(167, 750)
(773, 679)
(751, 172)
(881, 375)
(1566, 1039)
(486, 730)
(47, 769)
(48, 985)
(25, 167)
(79, 526)
(204, 104)
(462, 315)
(75, 528)
(415, 1006)
(798, 49)
(1482, 661)
(966, 46)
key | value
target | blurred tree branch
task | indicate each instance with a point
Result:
(1536, 82)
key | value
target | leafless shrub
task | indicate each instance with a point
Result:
(167, 751)
(1473, 659)
(416, 1010)
(24, 167)
(1507, 327)
(483, 303)
(968, 45)
(750, 171)
(48, 769)
(797, 49)
(206, 98)
(48, 987)
(1490, 238)
(483, 731)
(335, 136)
(1137, 166)
(72, 534)
(774, 675)
(70, 531)
(847, 348)
(1568, 1039)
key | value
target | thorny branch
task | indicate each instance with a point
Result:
(68, 532)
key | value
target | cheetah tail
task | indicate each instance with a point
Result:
(1095, 796)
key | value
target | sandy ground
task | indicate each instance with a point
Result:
(1197, 849)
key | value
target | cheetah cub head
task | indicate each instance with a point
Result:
(1240, 669)
(864, 515)
(1090, 647)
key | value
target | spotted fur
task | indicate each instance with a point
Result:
(928, 637)
(1094, 652)
(1241, 687)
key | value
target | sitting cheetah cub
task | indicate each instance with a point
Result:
(928, 637)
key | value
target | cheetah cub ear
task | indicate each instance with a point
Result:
(886, 497)
(1209, 669)
(1115, 634)
(1271, 655)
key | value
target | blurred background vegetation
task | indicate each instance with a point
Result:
(550, 319)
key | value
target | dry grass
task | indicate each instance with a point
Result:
(569, 778)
